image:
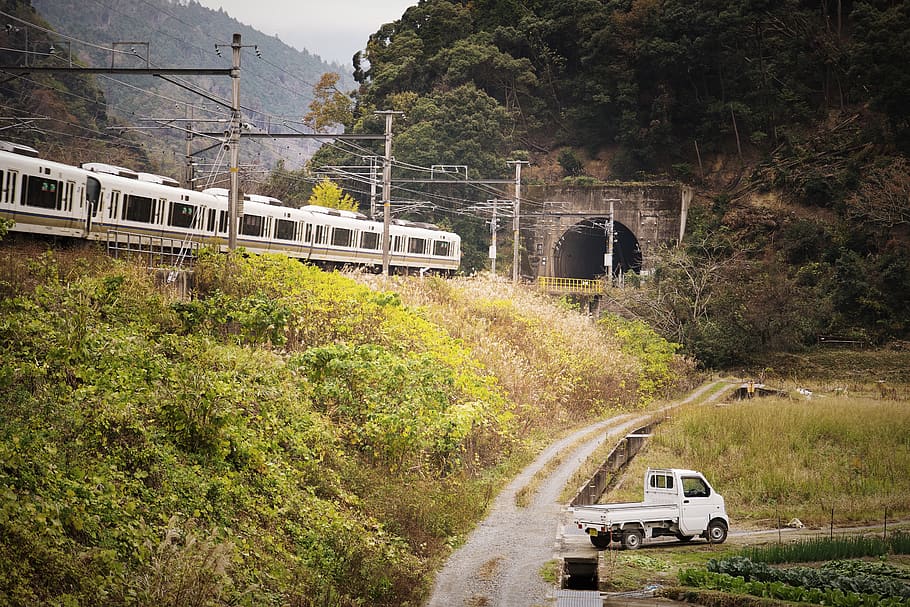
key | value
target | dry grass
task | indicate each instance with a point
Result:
(489, 570)
(552, 361)
(783, 458)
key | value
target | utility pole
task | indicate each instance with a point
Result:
(608, 257)
(372, 187)
(493, 241)
(234, 209)
(516, 255)
(387, 189)
(188, 182)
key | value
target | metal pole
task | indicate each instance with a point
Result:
(493, 240)
(516, 255)
(188, 161)
(372, 188)
(608, 258)
(387, 189)
(234, 194)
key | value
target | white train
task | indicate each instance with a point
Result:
(117, 205)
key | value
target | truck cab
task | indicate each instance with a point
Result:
(698, 502)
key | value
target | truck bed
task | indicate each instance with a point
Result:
(610, 514)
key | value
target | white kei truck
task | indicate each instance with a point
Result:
(678, 503)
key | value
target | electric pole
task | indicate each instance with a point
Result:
(493, 241)
(608, 257)
(387, 189)
(516, 254)
(234, 194)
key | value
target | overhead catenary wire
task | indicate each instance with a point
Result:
(351, 148)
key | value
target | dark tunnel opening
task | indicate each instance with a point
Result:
(580, 251)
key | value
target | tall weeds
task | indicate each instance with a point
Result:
(557, 365)
(778, 458)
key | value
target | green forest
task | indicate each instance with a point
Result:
(787, 118)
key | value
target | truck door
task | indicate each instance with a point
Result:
(699, 504)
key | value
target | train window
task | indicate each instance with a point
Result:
(342, 237)
(181, 215)
(41, 192)
(115, 200)
(308, 233)
(10, 190)
(417, 245)
(68, 190)
(285, 229)
(251, 225)
(369, 240)
(93, 193)
(441, 248)
(319, 232)
(222, 221)
(138, 208)
(398, 244)
(210, 225)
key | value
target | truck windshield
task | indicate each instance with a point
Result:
(694, 487)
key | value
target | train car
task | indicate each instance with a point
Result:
(41, 196)
(104, 202)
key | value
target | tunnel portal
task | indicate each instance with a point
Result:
(580, 251)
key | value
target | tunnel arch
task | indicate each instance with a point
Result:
(579, 252)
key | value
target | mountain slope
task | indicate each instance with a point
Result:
(185, 34)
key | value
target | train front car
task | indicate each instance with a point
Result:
(41, 196)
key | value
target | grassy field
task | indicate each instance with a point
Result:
(784, 458)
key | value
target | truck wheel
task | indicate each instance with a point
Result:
(601, 541)
(717, 532)
(631, 540)
(682, 537)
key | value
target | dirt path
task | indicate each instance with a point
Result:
(500, 563)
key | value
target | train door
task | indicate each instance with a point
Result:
(8, 197)
(92, 200)
(113, 210)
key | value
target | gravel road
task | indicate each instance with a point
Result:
(500, 562)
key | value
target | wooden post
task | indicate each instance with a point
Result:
(739, 147)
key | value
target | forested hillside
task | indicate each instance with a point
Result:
(787, 117)
(63, 115)
(277, 80)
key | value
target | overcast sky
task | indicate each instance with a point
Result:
(332, 29)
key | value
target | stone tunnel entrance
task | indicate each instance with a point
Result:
(580, 251)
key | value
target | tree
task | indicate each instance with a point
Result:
(883, 196)
(293, 188)
(328, 194)
(330, 107)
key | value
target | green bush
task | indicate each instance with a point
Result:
(153, 449)
(659, 366)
